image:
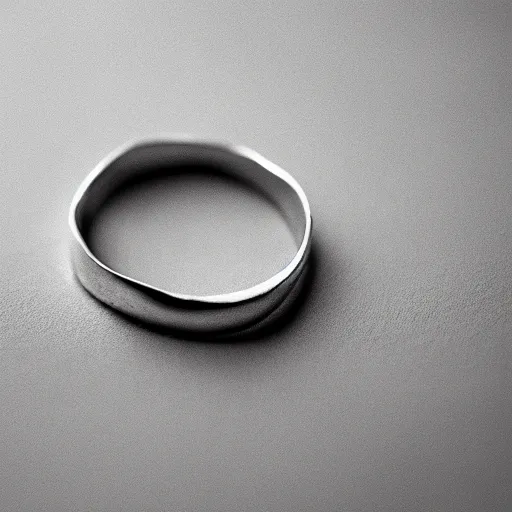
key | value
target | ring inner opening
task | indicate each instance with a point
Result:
(209, 223)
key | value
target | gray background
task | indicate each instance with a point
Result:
(391, 389)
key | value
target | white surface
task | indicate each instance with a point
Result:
(391, 390)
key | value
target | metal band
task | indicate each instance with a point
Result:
(208, 314)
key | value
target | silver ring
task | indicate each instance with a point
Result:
(207, 314)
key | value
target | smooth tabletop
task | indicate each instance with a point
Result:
(390, 390)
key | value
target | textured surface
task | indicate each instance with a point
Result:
(391, 390)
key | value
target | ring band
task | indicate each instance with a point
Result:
(202, 314)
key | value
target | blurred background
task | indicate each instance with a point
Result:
(391, 388)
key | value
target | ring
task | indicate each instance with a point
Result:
(214, 315)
